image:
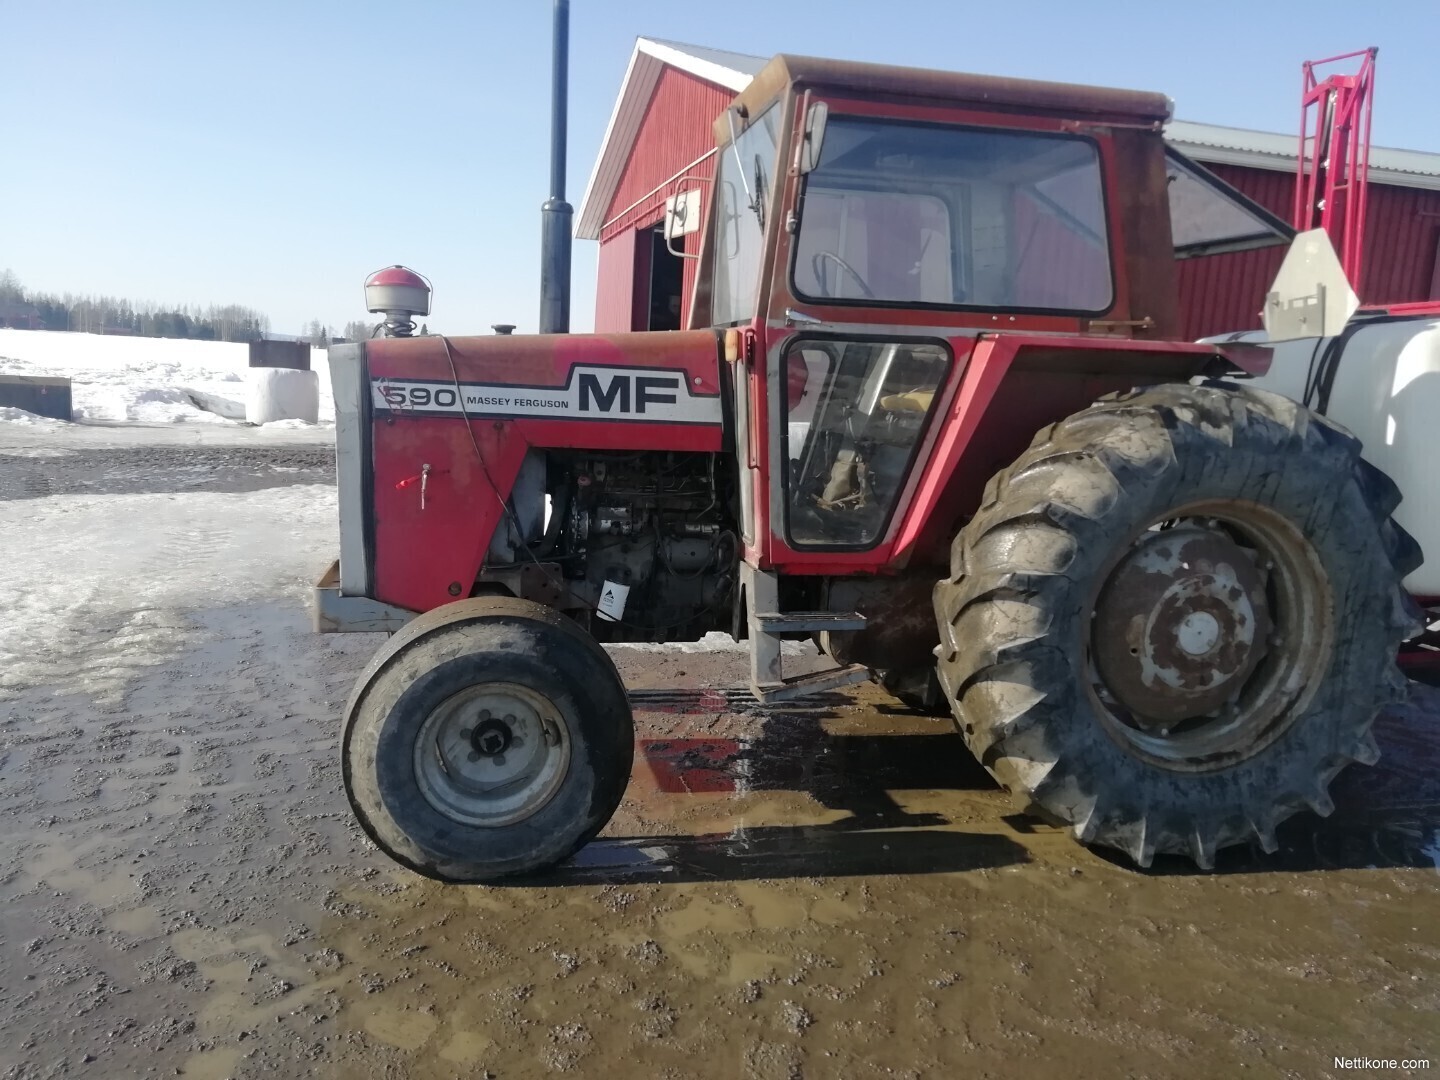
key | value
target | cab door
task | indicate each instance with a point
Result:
(849, 415)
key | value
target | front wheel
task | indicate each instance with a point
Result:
(489, 738)
(1175, 617)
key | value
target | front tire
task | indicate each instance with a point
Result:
(491, 737)
(1174, 618)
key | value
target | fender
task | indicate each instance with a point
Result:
(1013, 386)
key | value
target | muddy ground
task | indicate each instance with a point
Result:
(829, 890)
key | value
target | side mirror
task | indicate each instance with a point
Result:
(682, 214)
(813, 139)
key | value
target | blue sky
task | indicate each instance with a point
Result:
(272, 154)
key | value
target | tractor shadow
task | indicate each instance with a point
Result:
(1386, 816)
(781, 851)
(792, 752)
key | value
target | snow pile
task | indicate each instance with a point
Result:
(144, 380)
(20, 416)
(280, 394)
(714, 641)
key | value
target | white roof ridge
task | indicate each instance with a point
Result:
(1252, 147)
(731, 70)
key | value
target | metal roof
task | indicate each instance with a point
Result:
(733, 62)
(1269, 150)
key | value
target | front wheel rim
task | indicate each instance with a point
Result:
(492, 754)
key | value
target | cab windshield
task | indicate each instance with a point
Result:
(747, 168)
(944, 216)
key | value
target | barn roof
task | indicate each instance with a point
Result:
(734, 71)
(731, 70)
(1268, 150)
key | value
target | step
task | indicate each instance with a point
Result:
(818, 683)
(807, 622)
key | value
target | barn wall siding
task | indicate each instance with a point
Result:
(1219, 293)
(676, 130)
(614, 292)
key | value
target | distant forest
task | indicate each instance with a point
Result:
(20, 307)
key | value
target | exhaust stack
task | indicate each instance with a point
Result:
(556, 213)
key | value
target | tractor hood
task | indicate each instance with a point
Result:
(430, 430)
(641, 377)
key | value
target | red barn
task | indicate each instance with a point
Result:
(1402, 235)
(660, 133)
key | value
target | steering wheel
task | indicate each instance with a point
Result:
(817, 264)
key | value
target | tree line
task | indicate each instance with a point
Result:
(119, 315)
(320, 335)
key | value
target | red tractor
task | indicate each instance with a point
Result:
(931, 415)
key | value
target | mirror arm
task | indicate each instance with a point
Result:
(804, 135)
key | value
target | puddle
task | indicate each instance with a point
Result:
(405, 1029)
(465, 1047)
(216, 1064)
(137, 922)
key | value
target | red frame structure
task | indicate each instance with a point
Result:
(1332, 180)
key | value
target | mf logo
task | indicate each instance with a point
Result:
(623, 390)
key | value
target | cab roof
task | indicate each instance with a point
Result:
(1095, 104)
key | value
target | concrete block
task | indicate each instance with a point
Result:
(280, 354)
(44, 395)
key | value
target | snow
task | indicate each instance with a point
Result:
(20, 416)
(290, 425)
(143, 380)
(279, 394)
(714, 641)
(135, 565)
(1432, 850)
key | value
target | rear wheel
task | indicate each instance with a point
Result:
(491, 737)
(1175, 617)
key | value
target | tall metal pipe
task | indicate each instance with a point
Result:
(556, 213)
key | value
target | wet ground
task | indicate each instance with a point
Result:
(26, 474)
(832, 889)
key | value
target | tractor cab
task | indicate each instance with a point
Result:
(871, 226)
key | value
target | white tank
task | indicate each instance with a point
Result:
(1386, 390)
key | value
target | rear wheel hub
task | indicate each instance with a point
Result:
(1180, 626)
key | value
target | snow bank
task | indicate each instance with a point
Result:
(10, 415)
(144, 380)
(280, 394)
(714, 641)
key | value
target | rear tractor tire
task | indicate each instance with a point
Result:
(490, 737)
(1175, 617)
